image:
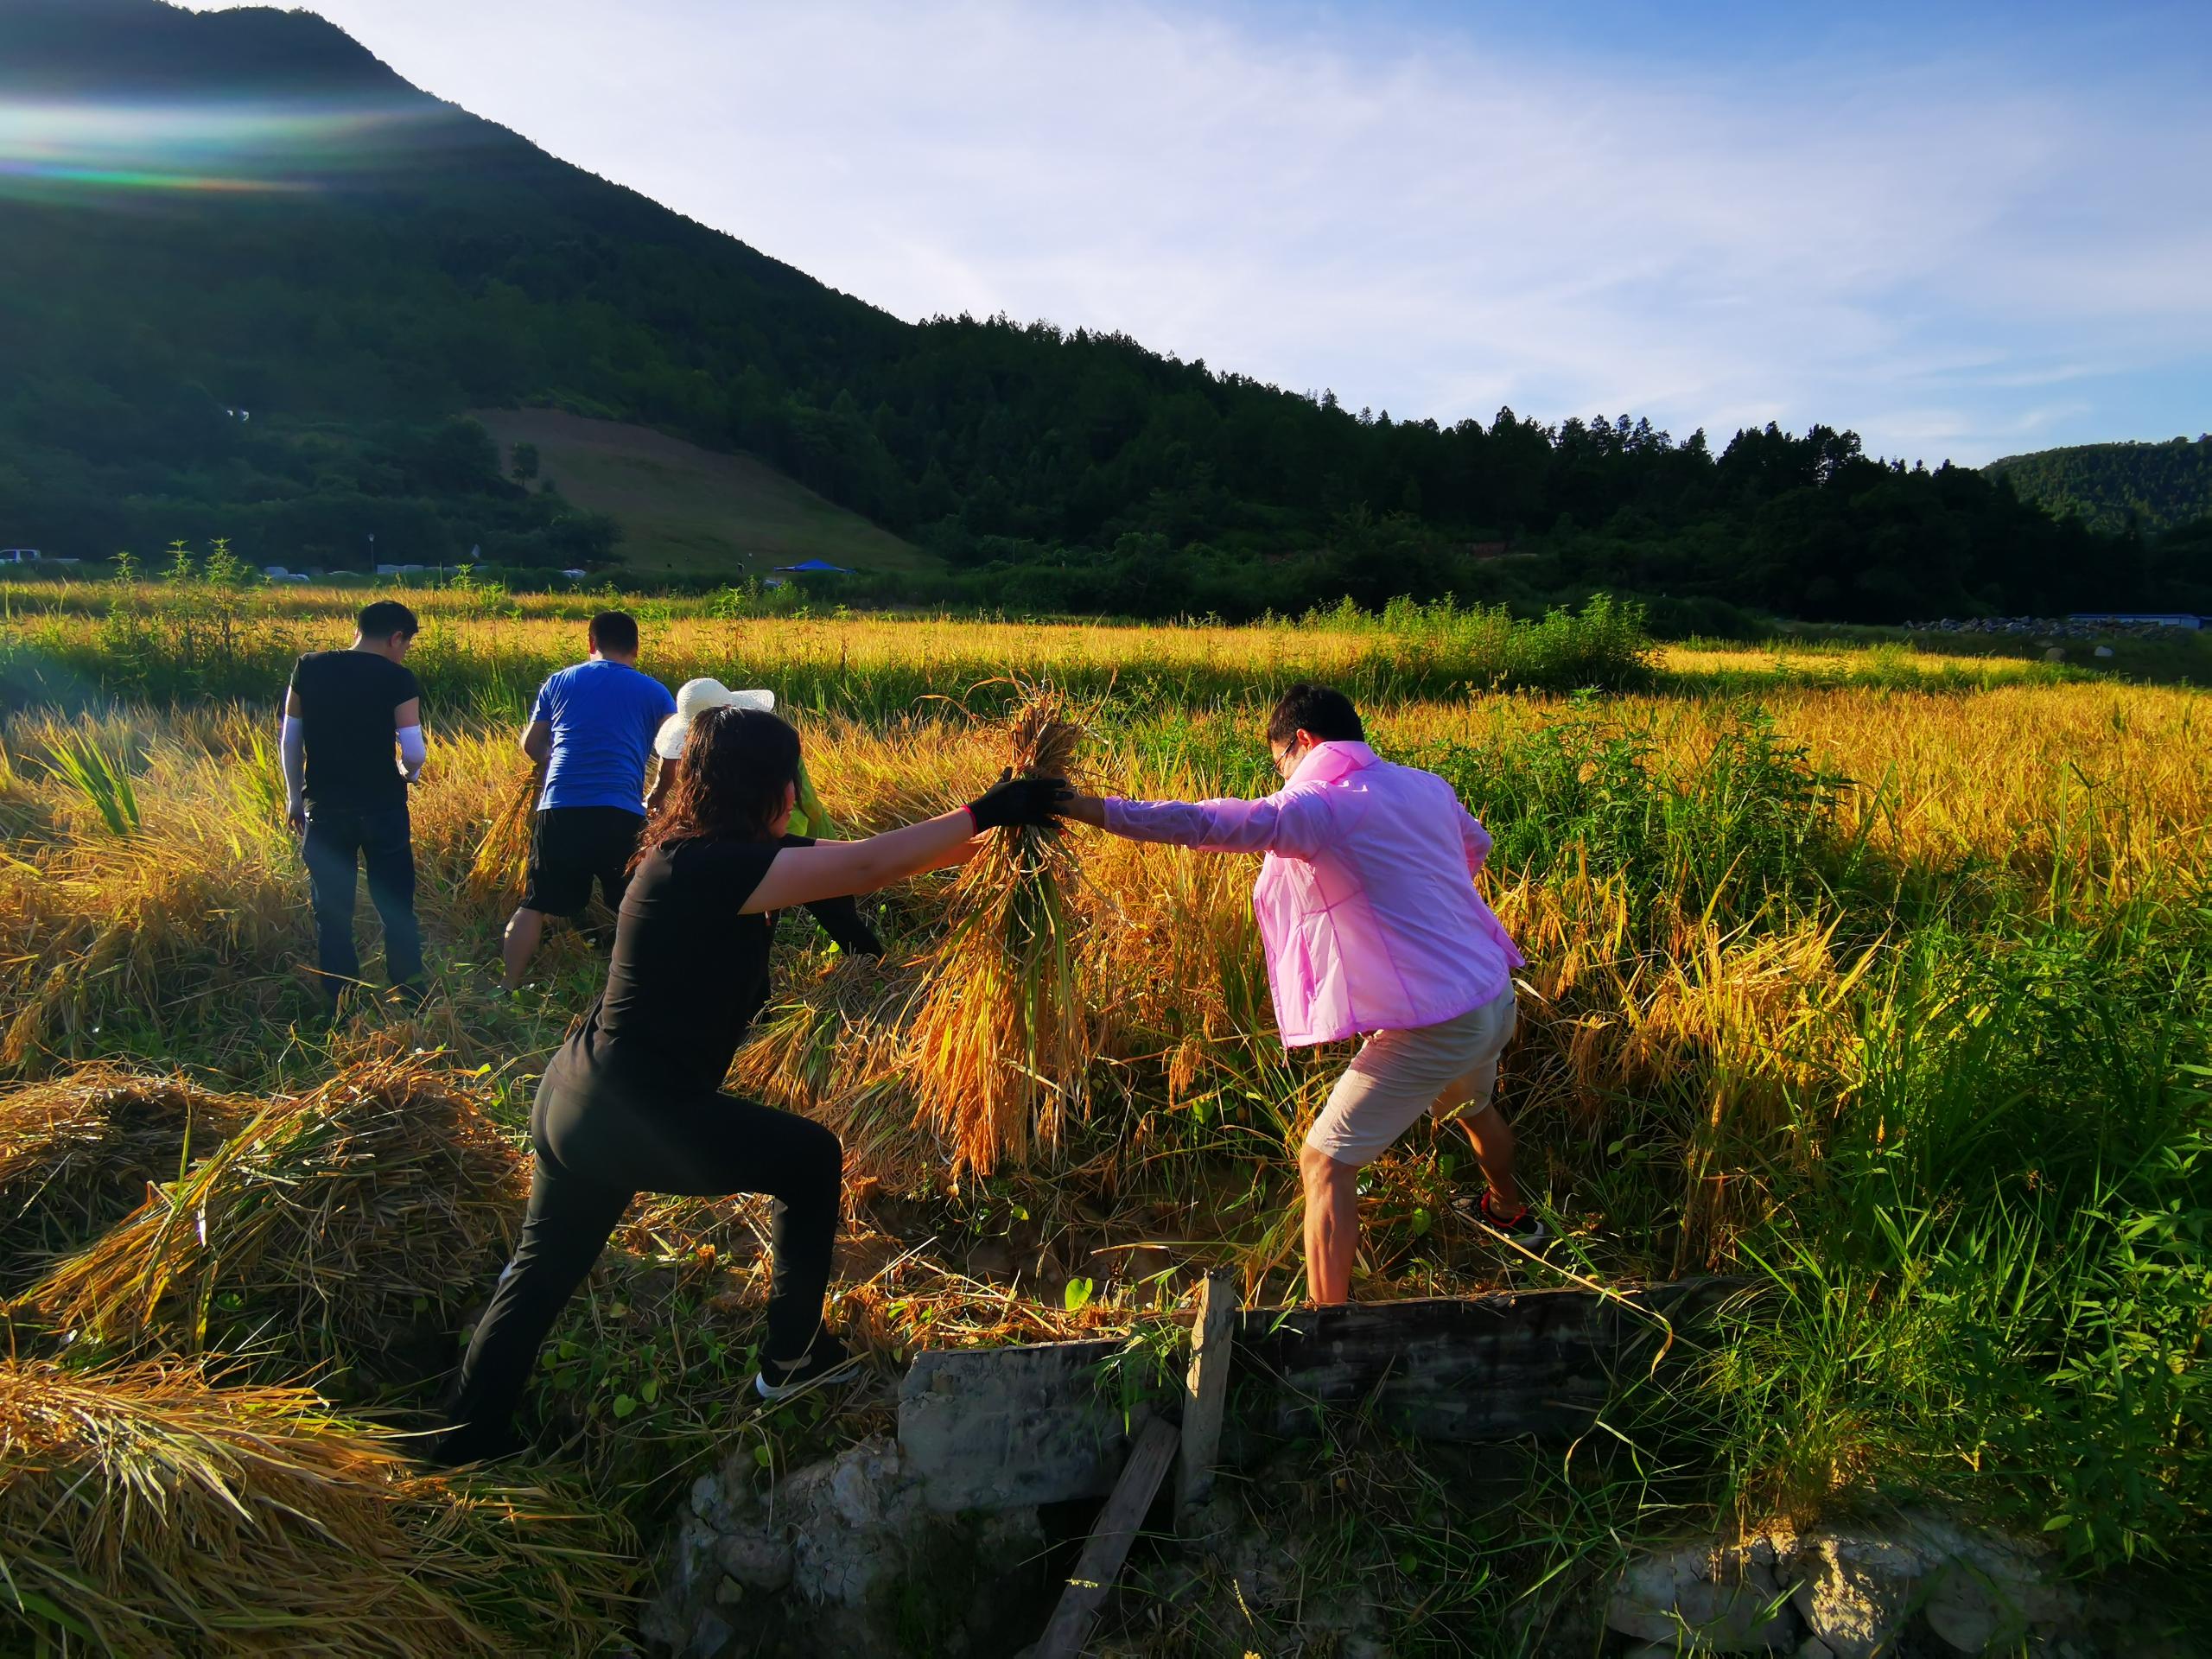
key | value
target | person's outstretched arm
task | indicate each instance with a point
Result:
(1292, 821)
(805, 875)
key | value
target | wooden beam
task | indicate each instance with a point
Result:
(1205, 1391)
(1100, 1563)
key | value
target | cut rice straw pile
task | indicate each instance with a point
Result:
(144, 1513)
(76, 1153)
(1000, 1045)
(341, 1223)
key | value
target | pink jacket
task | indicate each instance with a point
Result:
(1365, 900)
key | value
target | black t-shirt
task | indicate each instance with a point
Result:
(348, 697)
(690, 969)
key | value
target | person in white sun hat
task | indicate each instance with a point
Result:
(840, 918)
(693, 699)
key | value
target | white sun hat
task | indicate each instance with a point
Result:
(693, 700)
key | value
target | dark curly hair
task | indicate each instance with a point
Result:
(739, 767)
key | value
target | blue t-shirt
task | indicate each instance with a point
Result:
(603, 717)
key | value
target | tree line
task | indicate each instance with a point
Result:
(441, 264)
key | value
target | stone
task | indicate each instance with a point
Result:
(757, 1558)
(855, 1518)
(843, 1556)
(1812, 1648)
(1011, 1429)
(725, 1500)
(1991, 1593)
(709, 1637)
(1718, 1598)
(1856, 1588)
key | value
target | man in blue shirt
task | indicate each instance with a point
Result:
(592, 729)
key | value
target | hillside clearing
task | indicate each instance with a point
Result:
(688, 511)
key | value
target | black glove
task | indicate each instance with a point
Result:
(1032, 802)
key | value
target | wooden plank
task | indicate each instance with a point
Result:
(1205, 1391)
(1100, 1563)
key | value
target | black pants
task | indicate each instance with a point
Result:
(595, 1150)
(572, 847)
(338, 842)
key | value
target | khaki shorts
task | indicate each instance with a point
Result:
(1449, 1068)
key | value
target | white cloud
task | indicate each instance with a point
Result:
(1434, 232)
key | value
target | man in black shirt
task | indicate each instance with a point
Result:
(347, 798)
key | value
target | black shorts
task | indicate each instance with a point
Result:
(574, 846)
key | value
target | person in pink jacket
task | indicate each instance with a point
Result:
(1368, 909)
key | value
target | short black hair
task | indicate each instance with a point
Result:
(385, 618)
(614, 630)
(1324, 712)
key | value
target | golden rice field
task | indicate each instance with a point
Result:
(1885, 981)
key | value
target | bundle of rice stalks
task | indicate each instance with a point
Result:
(999, 1043)
(76, 1153)
(145, 1512)
(837, 1053)
(346, 1226)
(502, 861)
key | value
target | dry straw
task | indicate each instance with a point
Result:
(999, 1044)
(338, 1224)
(77, 1153)
(144, 1513)
(502, 861)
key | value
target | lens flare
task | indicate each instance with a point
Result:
(89, 149)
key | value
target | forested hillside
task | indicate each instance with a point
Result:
(284, 228)
(2118, 487)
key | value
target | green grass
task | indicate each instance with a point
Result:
(688, 511)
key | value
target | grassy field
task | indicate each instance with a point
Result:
(688, 511)
(1880, 979)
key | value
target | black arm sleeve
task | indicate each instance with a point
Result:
(841, 918)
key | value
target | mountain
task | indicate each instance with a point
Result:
(56, 49)
(250, 282)
(2117, 486)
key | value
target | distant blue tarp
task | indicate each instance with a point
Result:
(815, 566)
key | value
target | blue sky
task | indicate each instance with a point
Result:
(1961, 230)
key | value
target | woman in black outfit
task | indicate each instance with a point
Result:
(633, 1103)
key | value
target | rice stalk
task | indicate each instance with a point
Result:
(342, 1225)
(999, 1044)
(145, 1513)
(502, 862)
(77, 1153)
